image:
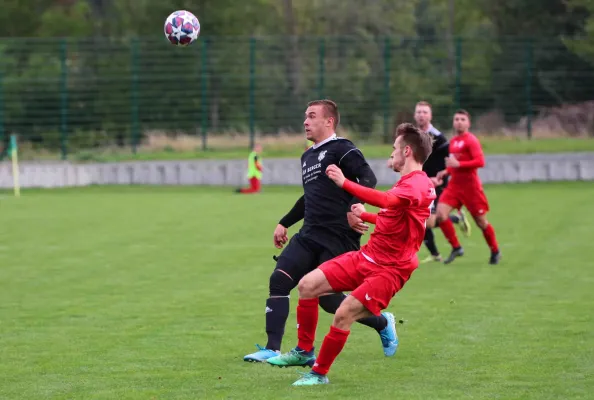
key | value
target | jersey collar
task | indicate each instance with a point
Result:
(333, 137)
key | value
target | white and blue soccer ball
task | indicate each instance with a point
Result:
(182, 28)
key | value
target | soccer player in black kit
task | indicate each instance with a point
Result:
(434, 164)
(326, 231)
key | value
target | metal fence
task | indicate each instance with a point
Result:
(67, 95)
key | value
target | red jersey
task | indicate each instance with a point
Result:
(467, 149)
(400, 229)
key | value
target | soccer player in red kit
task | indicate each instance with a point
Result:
(465, 187)
(379, 269)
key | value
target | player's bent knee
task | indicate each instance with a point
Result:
(280, 283)
(345, 316)
(312, 285)
(306, 287)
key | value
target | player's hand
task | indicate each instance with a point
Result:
(357, 223)
(358, 209)
(452, 161)
(390, 162)
(336, 175)
(280, 236)
(436, 181)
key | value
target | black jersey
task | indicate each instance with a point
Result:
(436, 161)
(326, 205)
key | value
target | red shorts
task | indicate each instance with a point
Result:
(371, 284)
(474, 200)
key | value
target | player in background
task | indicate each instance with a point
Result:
(254, 171)
(379, 269)
(465, 187)
(434, 164)
(326, 231)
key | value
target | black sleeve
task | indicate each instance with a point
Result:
(356, 168)
(442, 146)
(295, 215)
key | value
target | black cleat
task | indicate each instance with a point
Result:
(459, 252)
(495, 258)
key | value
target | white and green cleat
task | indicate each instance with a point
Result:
(311, 379)
(294, 358)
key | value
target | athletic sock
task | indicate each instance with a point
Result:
(331, 347)
(377, 323)
(489, 234)
(430, 242)
(277, 312)
(454, 218)
(307, 321)
(447, 227)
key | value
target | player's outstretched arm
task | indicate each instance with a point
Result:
(367, 195)
(296, 214)
(372, 196)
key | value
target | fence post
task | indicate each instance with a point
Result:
(458, 89)
(322, 67)
(252, 99)
(64, 98)
(135, 126)
(529, 67)
(204, 93)
(387, 77)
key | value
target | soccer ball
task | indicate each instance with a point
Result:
(182, 28)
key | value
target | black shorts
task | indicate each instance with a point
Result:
(303, 254)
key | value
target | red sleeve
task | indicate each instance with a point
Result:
(476, 152)
(374, 197)
(369, 217)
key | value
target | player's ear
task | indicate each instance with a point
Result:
(407, 151)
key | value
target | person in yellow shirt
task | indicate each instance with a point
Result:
(254, 171)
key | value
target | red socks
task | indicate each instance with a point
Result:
(447, 227)
(489, 234)
(331, 348)
(307, 321)
(254, 186)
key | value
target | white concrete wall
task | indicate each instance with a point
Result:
(499, 169)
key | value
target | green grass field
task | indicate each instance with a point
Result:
(157, 293)
(491, 145)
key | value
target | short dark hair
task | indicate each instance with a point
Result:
(420, 142)
(463, 112)
(330, 109)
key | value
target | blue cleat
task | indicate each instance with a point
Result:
(261, 355)
(389, 336)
